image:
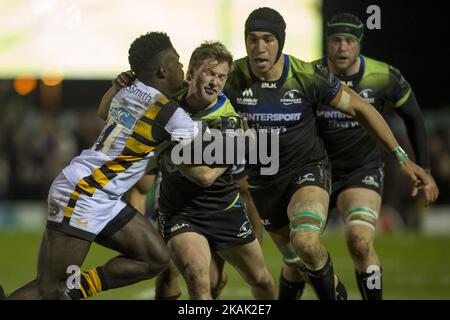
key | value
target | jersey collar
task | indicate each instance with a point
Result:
(272, 84)
(201, 113)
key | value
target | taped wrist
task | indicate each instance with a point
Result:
(400, 154)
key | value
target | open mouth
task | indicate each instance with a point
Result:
(261, 63)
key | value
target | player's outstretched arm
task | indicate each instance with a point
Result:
(103, 108)
(352, 104)
(200, 174)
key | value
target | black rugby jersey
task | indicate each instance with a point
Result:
(178, 194)
(287, 105)
(348, 145)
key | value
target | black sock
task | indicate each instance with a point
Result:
(341, 292)
(323, 281)
(290, 290)
(91, 282)
(370, 288)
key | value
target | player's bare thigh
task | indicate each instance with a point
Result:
(191, 253)
(358, 197)
(309, 198)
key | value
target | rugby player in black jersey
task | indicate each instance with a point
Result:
(357, 168)
(278, 92)
(199, 213)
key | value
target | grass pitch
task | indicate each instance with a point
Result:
(414, 266)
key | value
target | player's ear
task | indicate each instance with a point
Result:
(162, 72)
(190, 74)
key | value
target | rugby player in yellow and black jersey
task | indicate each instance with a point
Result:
(85, 200)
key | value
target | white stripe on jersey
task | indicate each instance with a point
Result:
(181, 127)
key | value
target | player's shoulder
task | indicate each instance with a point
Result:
(314, 73)
(227, 107)
(318, 62)
(384, 72)
(240, 77)
(308, 71)
(300, 67)
(240, 68)
(373, 66)
(223, 107)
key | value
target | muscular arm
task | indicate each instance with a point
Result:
(201, 175)
(352, 104)
(103, 108)
(122, 80)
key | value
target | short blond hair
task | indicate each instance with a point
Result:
(211, 50)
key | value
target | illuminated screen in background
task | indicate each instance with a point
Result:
(87, 39)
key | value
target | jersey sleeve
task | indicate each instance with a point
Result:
(177, 124)
(399, 89)
(325, 85)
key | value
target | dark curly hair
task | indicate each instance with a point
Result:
(144, 52)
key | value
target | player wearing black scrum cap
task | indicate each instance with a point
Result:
(278, 92)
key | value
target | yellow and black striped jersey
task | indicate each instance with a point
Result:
(140, 118)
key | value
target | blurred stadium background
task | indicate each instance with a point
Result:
(57, 58)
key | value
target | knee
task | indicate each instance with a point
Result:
(262, 279)
(49, 290)
(359, 246)
(156, 260)
(307, 244)
(158, 263)
(170, 274)
(163, 258)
